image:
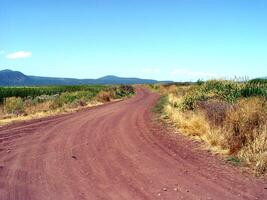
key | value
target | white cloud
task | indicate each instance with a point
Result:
(192, 74)
(150, 70)
(19, 54)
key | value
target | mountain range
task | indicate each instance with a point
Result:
(16, 78)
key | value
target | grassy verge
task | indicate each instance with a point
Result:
(67, 98)
(230, 117)
(159, 107)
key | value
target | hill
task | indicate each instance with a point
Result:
(16, 78)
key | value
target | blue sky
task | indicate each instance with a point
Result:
(170, 39)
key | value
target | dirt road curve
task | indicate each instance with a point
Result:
(110, 152)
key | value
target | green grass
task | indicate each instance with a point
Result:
(158, 108)
(255, 87)
(234, 161)
(228, 91)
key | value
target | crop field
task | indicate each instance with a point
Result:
(16, 101)
(32, 92)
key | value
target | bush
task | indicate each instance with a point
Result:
(215, 110)
(123, 91)
(190, 101)
(105, 96)
(13, 105)
(227, 90)
(67, 98)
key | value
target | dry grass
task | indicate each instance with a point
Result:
(37, 114)
(254, 153)
(2, 110)
(238, 129)
(13, 105)
(244, 122)
(105, 96)
(215, 111)
(40, 107)
(189, 123)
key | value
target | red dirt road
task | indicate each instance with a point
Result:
(110, 152)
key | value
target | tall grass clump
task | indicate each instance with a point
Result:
(13, 105)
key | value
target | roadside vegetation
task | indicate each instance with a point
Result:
(19, 102)
(230, 116)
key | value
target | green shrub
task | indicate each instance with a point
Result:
(255, 87)
(200, 82)
(228, 90)
(123, 90)
(258, 81)
(189, 101)
(13, 105)
(253, 91)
